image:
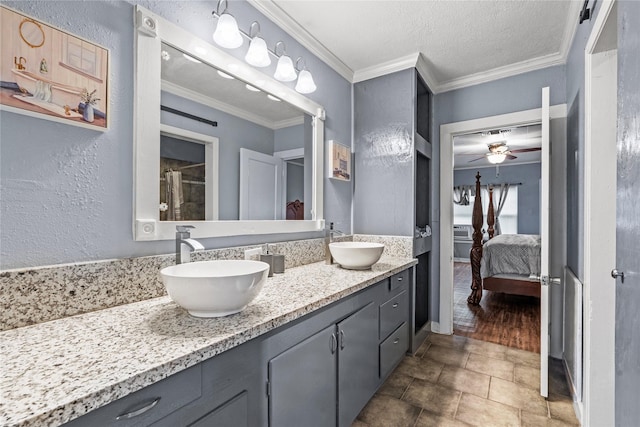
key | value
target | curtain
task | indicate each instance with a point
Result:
(504, 190)
(461, 195)
(175, 197)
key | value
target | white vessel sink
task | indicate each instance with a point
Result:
(356, 255)
(215, 288)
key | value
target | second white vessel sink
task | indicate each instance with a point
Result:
(356, 255)
(215, 288)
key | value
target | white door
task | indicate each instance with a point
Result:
(260, 186)
(545, 241)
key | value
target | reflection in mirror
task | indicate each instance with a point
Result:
(180, 91)
(265, 146)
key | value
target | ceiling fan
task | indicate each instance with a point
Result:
(499, 152)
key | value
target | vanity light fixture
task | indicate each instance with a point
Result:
(225, 75)
(258, 54)
(305, 79)
(191, 58)
(273, 98)
(285, 72)
(252, 88)
(227, 33)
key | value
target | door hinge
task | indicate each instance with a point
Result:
(268, 388)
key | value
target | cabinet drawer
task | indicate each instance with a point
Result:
(393, 349)
(233, 413)
(399, 279)
(393, 313)
(148, 405)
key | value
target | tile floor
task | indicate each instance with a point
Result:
(457, 381)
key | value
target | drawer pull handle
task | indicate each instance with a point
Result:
(396, 341)
(395, 305)
(140, 411)
(399, 279)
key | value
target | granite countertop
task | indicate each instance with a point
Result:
(56, 371)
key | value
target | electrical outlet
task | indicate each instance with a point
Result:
(253, 254)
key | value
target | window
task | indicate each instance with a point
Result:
(81, 57)
(508, 216)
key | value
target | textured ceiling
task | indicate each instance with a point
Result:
(468, 148)
(456, 38)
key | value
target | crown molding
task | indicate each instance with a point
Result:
(388, 67)
(570, 28)
(279, 17)
(288, 123)
(426, 74)
(502, 72)
(226, 108)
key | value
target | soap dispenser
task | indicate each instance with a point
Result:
(278, 262)
(267, 257)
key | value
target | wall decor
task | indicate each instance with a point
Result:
(339, 161)
(53, 75)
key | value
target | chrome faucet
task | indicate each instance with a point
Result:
(185, 244)
(328, 238)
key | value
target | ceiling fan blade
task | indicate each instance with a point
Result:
(526, 150)
(511, 157)
(479, 158)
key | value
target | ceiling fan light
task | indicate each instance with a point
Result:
(496, 158)
(305, 82)
(227, 33)
(285, 71)
(258, 55)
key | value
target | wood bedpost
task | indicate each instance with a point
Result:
(476, 248)
(491, 218)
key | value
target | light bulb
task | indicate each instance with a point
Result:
(496, 158)
(285, 71)
(258, 55)
(227, 33)
(305, 82)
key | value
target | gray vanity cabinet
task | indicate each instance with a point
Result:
(338, 364)
(302, 382)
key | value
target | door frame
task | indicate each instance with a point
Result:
(598, 406)
(285, 155)
(447, 133)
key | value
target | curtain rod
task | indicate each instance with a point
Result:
(187, 115)
(489, 185)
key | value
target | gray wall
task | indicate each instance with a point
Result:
(66, 192)
(233, 133)
(383, 144)
(528, 192)
(511, 94)
(628, 234)
(289, 138)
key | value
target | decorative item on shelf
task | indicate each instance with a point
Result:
(339, 161)
(228, 35)
(89, 100)
(43, 66)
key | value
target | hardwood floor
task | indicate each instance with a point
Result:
(509, 320)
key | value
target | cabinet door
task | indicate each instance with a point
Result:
(357, 362)
(302, 383)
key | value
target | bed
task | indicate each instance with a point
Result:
(508, 263)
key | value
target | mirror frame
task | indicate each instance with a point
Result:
(151, 31)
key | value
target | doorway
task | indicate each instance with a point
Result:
(598, 406)
(508, 162)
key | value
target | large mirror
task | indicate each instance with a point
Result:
(219, 144)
